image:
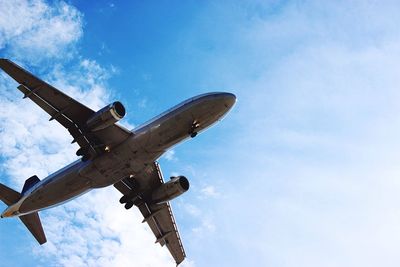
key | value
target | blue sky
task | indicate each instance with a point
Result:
(302, 172)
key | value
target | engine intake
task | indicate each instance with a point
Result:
(170, 190)
(106, 116)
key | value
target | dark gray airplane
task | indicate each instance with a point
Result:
(112, 155)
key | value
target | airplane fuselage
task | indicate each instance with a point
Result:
(145, 144)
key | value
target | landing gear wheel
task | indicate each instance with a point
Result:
(80, 152)
(192, 132)
(123, 199)
(129, 205)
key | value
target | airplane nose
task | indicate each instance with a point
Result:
(229, 99)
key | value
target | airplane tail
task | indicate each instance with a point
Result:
(31, 221)
(8, 195)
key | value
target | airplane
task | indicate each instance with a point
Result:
(112, 155)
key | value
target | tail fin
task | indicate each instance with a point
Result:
(29, 183)
(31, 221)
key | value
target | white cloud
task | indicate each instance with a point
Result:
(34, 30)
(202, 222)
(206, 227)
(209, 191)
(310, 173)
(192, 210)
(170, 155)
(142, 103)
(94, 230)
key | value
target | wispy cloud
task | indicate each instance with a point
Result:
(308, 160)
(170, 155)
(81, 235)
(35, 30)
(209, 191)
(306, 166)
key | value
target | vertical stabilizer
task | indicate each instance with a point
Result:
(29, 183)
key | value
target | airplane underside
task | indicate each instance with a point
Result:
(112, 155)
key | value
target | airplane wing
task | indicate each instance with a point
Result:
(158, 216)
(67, 111)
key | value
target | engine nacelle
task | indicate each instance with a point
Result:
(170, 190)
(106, 116)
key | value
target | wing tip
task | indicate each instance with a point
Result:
(42, 241)
(179, 262)
(4, 61)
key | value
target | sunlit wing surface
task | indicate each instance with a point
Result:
(158, 216)
(64, 109)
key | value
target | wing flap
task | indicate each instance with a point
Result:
(163, 226)
(50, 109)
(56, 114)
(159, 217)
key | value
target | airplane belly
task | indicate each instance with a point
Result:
(109, 168)
(174, 128)
(57, 190)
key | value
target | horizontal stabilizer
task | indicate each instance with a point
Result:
(29, 183)
(8, 195)
(32, 222)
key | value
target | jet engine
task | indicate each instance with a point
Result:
(170, 190)
(106, 116)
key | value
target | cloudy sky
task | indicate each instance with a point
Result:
(303, 172)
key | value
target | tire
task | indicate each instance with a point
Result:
(123, 200)
(128, 205)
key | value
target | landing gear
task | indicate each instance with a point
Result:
(131, 198)
(81, 151)
(84, 152)
(192, 132)
(124, 199)
(85, 157)
(129, 205)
